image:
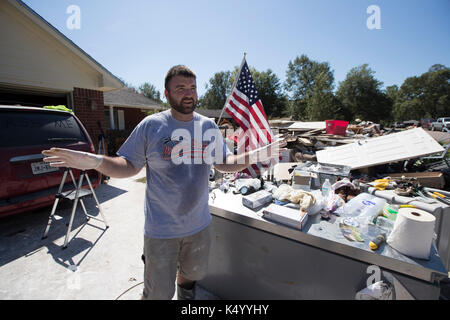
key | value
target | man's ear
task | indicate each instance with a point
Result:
(166, 94)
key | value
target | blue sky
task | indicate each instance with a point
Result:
(139, 40)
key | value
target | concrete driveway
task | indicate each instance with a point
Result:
(98, 264)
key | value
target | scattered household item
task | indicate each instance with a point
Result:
(381, 184)
(331, 200)
(350, 232)
(393, 147)
(287, 193)
(247, 186)
(225, 186)
(362, 209)
(326, 188)
(281, 171)
(413, 233)
(376, 291)
(438, 159)
(426, 179)
(286, 216)
(374, 244)
(257, 199)
(282, 193)
(390, 211)
(346, 189)
(318, 204)
(385, 224)
(336, 127)
(301, 177)
(322, 171)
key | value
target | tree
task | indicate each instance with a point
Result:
(393, 93)
(216, 91)
(270, 92)
(267, 84)
(310, 87)
(128, 85)
(321, 103)
(150, 91)
(425, 96)
(360, 93)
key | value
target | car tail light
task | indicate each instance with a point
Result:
(91, 146)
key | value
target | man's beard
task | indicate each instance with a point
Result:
(178, 106)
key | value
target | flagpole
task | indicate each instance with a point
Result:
(232, 88)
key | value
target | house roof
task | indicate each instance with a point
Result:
(111, 82)
(213, 113)
(129, 98)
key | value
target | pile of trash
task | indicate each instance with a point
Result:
(304, 139)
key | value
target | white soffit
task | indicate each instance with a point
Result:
(393, 147)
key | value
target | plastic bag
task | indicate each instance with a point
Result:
(282, 193)
(376, 291)
(303, 198)
(255, 183)
(286, 193)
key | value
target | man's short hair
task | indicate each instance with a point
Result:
(178, 70)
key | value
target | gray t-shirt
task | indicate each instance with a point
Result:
(178, 157)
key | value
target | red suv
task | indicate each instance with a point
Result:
(26, 182)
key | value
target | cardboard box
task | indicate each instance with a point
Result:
(427, 179)
(290, 217)
(257, 199)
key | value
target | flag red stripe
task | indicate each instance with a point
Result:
(261, 109)
(236, 109)
(253, 113)
(232, 112)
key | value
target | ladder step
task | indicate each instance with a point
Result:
(71, 194)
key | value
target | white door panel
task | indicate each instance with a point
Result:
(389, 148)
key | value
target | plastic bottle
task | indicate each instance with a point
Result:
(364, 208)
(326, 188)
(390, 211)
(385, 223)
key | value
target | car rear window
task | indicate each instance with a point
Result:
(24, 128)
(446, 119)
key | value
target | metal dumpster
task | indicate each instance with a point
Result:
(253, 258)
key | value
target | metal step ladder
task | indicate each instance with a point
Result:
(77, 194)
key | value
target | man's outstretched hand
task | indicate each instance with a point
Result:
(271, 151)
(58, 157)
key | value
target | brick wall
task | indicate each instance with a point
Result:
(89, 108)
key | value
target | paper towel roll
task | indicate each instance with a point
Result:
(413, 233)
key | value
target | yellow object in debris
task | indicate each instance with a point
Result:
(381, 184)
(438, 194)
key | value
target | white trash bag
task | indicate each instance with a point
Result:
(376, 291)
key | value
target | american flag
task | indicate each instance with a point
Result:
(246, 108)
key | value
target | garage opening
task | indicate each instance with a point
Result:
(26, 98)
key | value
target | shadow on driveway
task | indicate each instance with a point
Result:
(21, 234)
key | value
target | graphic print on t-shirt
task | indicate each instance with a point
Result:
(183, 149)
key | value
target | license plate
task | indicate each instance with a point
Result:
(42, 167)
